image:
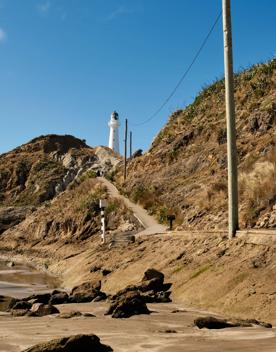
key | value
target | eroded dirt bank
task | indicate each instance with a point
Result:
(236, 279)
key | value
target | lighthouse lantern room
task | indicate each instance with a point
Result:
(114, 125)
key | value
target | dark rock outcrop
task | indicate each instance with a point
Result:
(128, 305)
(132, 299)
(87, 292)
(39, 298)
(212, 323)
(152, 288)
(215, 323)
(77, 343)
(22, 305)
(58, 297)
(11, 216)
(40, 309)
(153, 274)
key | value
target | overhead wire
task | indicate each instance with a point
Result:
(152, 116)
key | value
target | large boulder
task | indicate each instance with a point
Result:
(87, 292)
(40, 309)
(210, 322)
(39, 298)
(153, 274)
(87, 287)
(77, 343)
(127, 305)
(152, 288)
(58, 297)
(22, 305)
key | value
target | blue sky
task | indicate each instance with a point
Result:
(65, 65)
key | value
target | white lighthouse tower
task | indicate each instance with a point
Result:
(114, 125)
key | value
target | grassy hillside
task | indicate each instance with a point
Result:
(185, 170)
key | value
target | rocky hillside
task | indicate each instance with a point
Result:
(185, 170)
(35, 173)
(70, 221)
(39, 170)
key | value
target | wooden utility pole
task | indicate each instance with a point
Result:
(125, 164)
(130, 144)
(230, 117)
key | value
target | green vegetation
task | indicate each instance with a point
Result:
(45, 165)
(90, 202)
(200, 271)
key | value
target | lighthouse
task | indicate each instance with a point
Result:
(114, 125)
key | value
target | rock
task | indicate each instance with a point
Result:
(155, 285)
(12, 302)
(75, 314)
(153, 274)
(95, 268)
(10, 264)
(69, 315)
(250, 323)
(19, 312)
(83, 297)
(39, 298)
(151, 289)
(179, 311)
(87, 292)
(106, 272)
(101, 297)
(88, 315)
(77, 343)
(87, 287)
(212, 323)
(40, 309)
(11, 216)
(182, 140)
(215, 323)
(128, 305)
(262, 121)
(22, 305)
(156, 297)
(58, 297)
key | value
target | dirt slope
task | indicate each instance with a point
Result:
(184, 172)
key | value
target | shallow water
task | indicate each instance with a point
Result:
(21, 280)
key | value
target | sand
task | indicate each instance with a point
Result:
(138, 333)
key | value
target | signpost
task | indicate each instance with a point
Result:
(103, 205)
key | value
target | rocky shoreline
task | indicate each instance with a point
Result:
(131, 301)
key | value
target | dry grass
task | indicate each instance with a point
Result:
(258, 189)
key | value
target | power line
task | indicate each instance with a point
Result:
(184, 74)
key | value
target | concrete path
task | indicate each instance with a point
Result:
(150, 224)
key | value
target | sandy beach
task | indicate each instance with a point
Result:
(162, 331)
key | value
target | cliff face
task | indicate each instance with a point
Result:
(185, 170)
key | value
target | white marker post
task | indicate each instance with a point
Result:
(103, 204)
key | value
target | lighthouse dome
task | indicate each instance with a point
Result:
(115, 115)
